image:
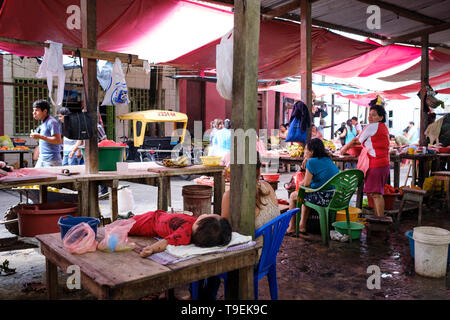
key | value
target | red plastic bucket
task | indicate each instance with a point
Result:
(43, 218)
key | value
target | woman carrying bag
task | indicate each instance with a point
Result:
(375, 139)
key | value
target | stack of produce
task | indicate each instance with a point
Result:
(295, 150)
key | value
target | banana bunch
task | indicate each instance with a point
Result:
(181, 161)
(295, 150)
(329, 145)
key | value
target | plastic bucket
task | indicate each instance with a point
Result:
(67, 222)
(352, 212)
(431, 251)
(389, 200)
(43, 218)
(355, 228)
(108, 157)
(197, 199)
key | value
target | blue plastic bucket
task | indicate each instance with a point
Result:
(409, 235)
(67, 222)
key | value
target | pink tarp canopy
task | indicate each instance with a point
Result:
(155, 30)
(279, 51)
(415, 87)
(439, 63)
(378, 60)
(364, 99)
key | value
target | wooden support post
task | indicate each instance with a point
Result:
(43, 193)
(424, 81)
(245, 79)
(306, 57)
(332, 117)
(244, 115)
(113, 199)
(89, 36)
(51, 279)
(276, 124)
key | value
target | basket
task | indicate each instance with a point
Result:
(67, 222)
(211, 161)
(355, 228)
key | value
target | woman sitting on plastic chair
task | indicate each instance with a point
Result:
(319, 169)
(266, 210)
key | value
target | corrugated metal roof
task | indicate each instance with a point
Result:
(352, 15)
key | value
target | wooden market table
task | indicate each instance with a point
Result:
(125, 275)
(20, 152)
(424, 167)
(166, 173)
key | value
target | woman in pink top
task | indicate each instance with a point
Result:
(375, 138)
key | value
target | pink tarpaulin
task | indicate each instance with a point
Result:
(415, 87)
(156, 30)
(279, 51)
(364, 99)
(373, 62)
(439, 63)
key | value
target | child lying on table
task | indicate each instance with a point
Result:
(206, 230)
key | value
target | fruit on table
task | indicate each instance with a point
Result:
(329, 145)
(295, 150)
(14, 148)
(181, 161)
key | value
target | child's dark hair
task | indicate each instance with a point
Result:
(212, 232)
(64, 111)
(42, 104)
(380, 111)
(317, 148)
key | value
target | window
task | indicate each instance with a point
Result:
(139, 99)
(26, 91)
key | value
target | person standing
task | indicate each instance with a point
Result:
(356, 125)
(375, 138)
(71, 153)
(340, 133)
(350, 132)
(48, 134)
(413, 133)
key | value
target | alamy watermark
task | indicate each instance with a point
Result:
(374, 280)
(74, 279)
(374, 20)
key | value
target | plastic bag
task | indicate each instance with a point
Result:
(224, 66)
(295, 133)
(80, 239)
(125, 200)
(116, 236)
(104, 76)
(363, 161)
(117, 92)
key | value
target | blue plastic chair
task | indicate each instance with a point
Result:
(273, 233)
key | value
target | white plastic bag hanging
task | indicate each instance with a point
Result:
(52, 66)
(224, 66)
(117, 93)
(104, 76)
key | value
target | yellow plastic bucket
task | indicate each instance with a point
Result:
(353, 213)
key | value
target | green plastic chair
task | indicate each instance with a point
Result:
(345, 184)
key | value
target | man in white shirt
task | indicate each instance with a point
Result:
(356, 125)
(413, 133)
